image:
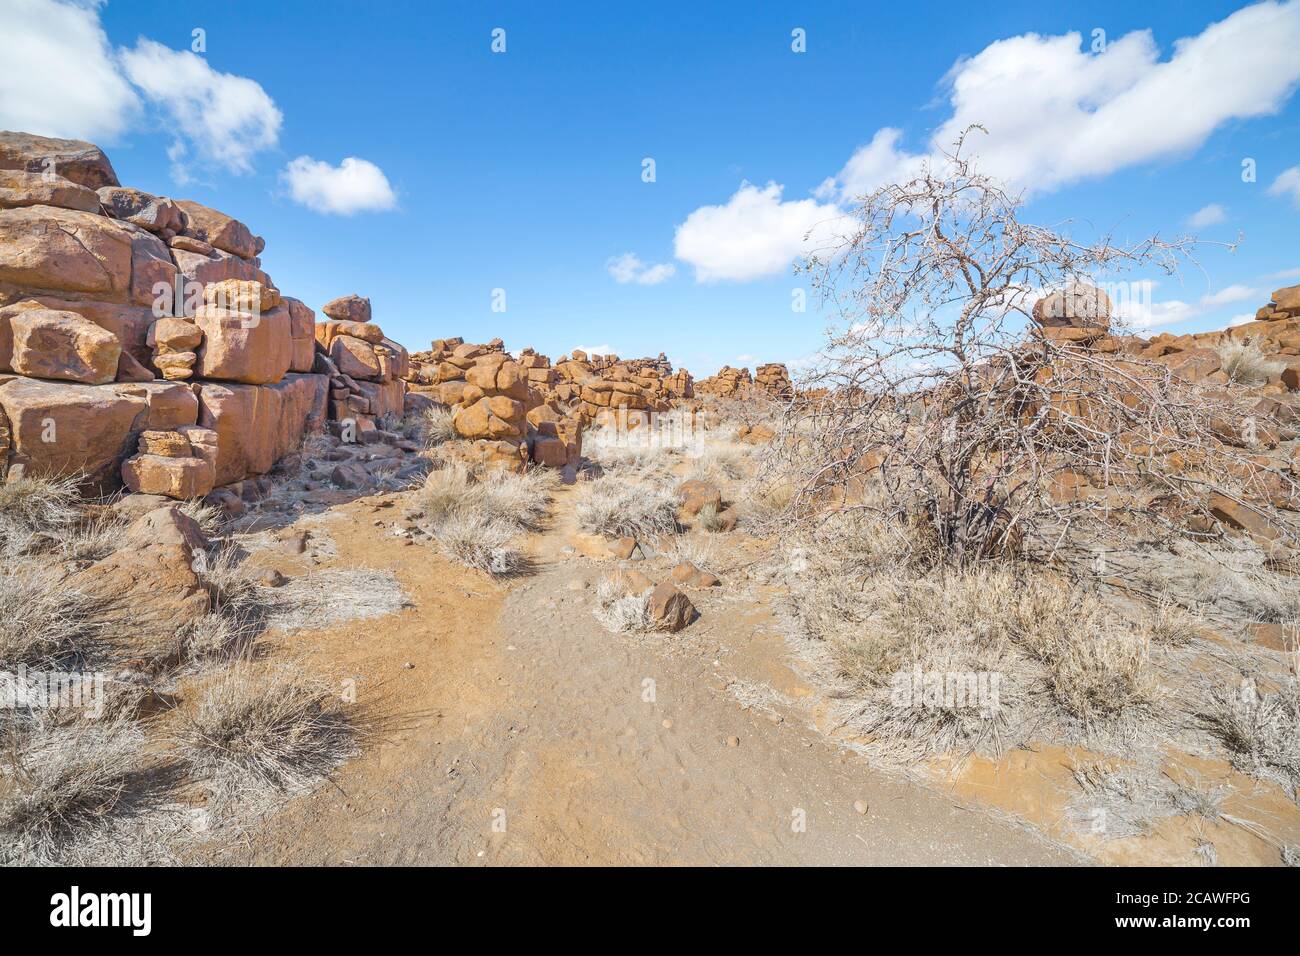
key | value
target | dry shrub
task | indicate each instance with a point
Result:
(1261, 732)
(862, 588)
(721, 461)
(61, 780)
(44, 623)
(1118, 800)
(1245, 363)
(621, 611)
(209, 519)
(434, 426)
(711, 520)
(264, 727)
(619, 507)
(31, 509)
(474, 518)
(478, 541)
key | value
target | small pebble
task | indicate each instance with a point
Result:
(733, 741)
(408, 666)
(859, 806)
(668, 724)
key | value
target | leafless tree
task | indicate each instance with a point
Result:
(964, 410)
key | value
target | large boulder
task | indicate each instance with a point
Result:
(80, 162)
(355, 357)
(1080, 306)
(168, 475)
(151, 582)
(21, 188)
(64, 250)
(242, 346)
(492, 417)
(212, 265)
(153, 273)
(221, 231)
(326, 331)
(62, 345)
(386, 399)
(130, 323)
(241, 295)
(257, 425)
(348, 308)
(60, 428)
(172, 405)
(158, 214)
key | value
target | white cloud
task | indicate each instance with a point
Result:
(355, 185)
(880, 161)
(1241, 319)
(1229, 294)
(754, 234)
(58, 76)
(220, 119)
(1210, 215)
(1158, 313)
(1056, 113)
(629, 268)
(1287, 184)
(596, 350)
(1141, 314)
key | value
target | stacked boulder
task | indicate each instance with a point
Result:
(367, 369)
(774, 380)
(500, 407)
(728, 383)
(140, 340)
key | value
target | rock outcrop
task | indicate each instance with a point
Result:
(142, 344)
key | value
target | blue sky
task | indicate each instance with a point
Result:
(522, 170)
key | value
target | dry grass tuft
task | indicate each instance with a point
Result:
(260, 727)
(43, 622)
(475, 518)
(1048, 651)
(619, 610)
(478, 541)
(619, 507)
(59, 781)
(332, 596)
(1261, 732)
(32, 509)
(434, 426)
(1245, 363)
(711, 520)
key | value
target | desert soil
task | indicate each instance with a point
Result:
(513, 729)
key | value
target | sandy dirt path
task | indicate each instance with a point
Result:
(529, 735)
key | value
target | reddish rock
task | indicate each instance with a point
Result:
(73, 159)
(21, 188)
(60, 428)
(242, 347)
(348, 308)
(221, 231)
(174, 477)
(669, 608)
(64, 346)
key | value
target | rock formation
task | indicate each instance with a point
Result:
(141, 342)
